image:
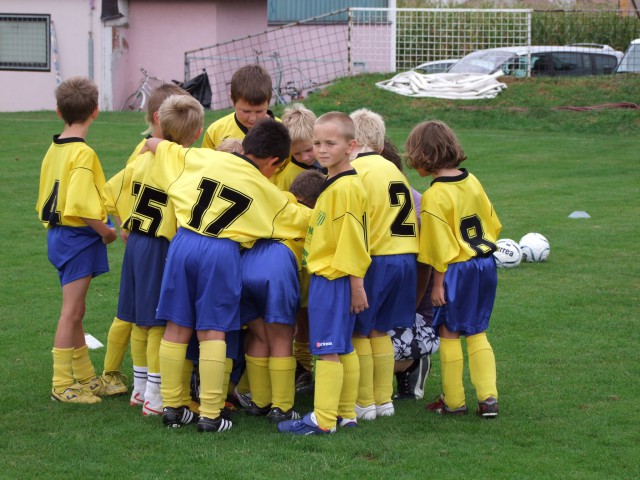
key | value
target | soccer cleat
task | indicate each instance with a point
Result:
(366, 413)
(74, 394)
(440, 408)
(411, 382)
(347, 422)
(173, 417)
(213, 425)
(152, 408)
(256, 411)
(307, 425)
(304, 380)
(276, 415)
(113, 384)
(93, 387)
(488, 408)
(137, 399)
(385, 410)
(243, 399)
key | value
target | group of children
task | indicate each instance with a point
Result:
(276, 241)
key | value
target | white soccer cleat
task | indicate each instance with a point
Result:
(366, 413)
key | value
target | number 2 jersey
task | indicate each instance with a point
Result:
(224, 195)
(71, 182)
(458, 221)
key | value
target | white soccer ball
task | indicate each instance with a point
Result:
(508, 253)
(535, 247)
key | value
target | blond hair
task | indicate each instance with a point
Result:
(181, 118)
(76, 99)
(159, 95)
(370, 129)
(342, 121)
(230, 145)
(432, 146)
(251, 83)
(299, 120)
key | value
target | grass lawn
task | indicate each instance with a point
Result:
(564, 331)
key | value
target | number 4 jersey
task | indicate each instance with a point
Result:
(458, 222)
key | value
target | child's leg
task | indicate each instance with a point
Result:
(301, 341)
(482, 366)
(452, 365)
(350, 380)
(139, 338)
(213, 351)
(172, 356)
(282, 365)
(152, 396)
(383, 362)
(117, 343)
(328, 388)
(257, 358)
(365, 399)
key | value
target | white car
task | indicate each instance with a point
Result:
(568, 60)
(630, 63)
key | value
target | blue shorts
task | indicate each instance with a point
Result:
(470, 291)
(270, 285)
(201, 285)
(141, 279)
(391, 293)
(76, 252)
(330, 321)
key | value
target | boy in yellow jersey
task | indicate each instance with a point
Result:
(118, 200)
(336, 254)
(71, 209)
(222, 202)
(251, 89)
(458, 237)
(391, 279)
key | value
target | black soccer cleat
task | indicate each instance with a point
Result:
(276, 415)
(173, 417)
(213, 425)
(256, 411)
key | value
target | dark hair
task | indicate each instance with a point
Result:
(390, 152)
(251, 83)
(77, 99)
(432, 145)
(267, 138)
(307, 186)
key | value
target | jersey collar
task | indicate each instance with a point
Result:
(366, 154)
(246, 159)
(457, 178)
(62, 141)
(245, 129)
(328, 183)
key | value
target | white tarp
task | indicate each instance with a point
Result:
(462, 86)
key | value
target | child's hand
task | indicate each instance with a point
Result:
(151, 145)
(124, 235)
(109, 236)
(358, 295)
(437, 296)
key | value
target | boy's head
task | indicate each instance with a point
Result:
(76, 100)
(159, 95)
(307, 187)
(251, 89)
(333, 139)
(267, 144)
(230, 145)
(370, 129)
(181, 118)
(299, 120)
(390, 152)
(432, 146)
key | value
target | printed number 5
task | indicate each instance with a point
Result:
(208, 190)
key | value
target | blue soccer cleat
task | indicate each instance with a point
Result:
(307, 425)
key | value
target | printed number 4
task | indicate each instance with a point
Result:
(50, 213)
(209, 190)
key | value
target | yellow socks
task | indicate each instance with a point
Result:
(154, 337)
(282, 371)
(172, 358)
(451, 365)
(350, 380)
(482, 366)
(259, 380)
(81, 364)
(303, 355)
(62, 370)
(117, 344)
(213, 360)
(328, 386)
(139, 346)
(187, 369)
(243, 383)
(365, 356)
(383, 362)
(228, 368)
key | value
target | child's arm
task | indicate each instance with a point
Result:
(151, 145)
(358, 295)
(124, 234)
(107, 233)
(437, 293)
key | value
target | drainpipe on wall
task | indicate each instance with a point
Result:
(92, 6)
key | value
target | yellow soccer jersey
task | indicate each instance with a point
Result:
(224, 195)
(337, 239)
(458, 222)
(223, 128)
(116, 202)
(284, 177)
(152, 212)
(392, 214)
(71, 182)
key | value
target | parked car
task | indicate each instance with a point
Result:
(568, 60)
(436, 66)
(630, 63)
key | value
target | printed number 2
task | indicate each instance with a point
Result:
(400, 196)
(208, 190)
(50, 213)
(147, 206)
(472, 233)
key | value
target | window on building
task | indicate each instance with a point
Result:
(288, 11)
(25, 42)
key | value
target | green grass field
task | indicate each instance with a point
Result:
(564, 332)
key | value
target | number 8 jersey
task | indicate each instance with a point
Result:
(458, 222)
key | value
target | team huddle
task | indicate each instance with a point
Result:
(284, 253)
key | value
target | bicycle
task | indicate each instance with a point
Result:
(295, 90)
(137, 101)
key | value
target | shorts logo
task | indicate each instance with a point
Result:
(323, 344)
(321, 217)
